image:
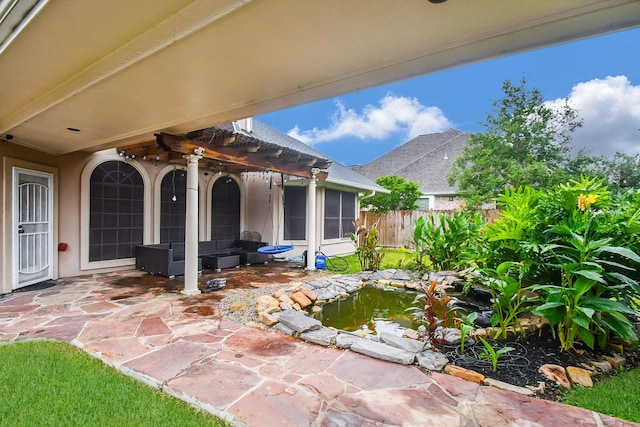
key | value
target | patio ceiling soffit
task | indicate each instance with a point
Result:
(229, 152)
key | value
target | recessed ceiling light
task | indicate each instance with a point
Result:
(437, 1)
(74, 129)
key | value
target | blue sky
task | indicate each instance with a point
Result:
(600, 76)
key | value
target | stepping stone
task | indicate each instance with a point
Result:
(298, 321)
(383, 352)
(322, 336)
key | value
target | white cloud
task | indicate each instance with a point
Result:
(610, 109)
(394, 114)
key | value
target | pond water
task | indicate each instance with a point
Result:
(375, 309)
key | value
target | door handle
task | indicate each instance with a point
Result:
(20, 230)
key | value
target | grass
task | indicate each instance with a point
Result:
(617, 396)
(53, 383)
(393, 258)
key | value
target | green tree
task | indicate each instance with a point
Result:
(403, 195)
(622, 172)
(526, 143)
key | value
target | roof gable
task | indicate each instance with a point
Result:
(425, 160)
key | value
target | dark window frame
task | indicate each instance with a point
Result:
(173, 213)
(295, 213)
(339, 214)
(225, 209)
(116, 211)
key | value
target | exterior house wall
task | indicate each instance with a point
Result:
(12, 155)
(259, 212)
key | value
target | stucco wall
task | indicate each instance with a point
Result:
(261, 199)
(12, 155)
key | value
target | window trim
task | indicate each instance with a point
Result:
(157, 202)
(296, 242)
(338, 239)
(85, 209)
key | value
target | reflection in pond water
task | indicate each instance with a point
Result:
(373, 310)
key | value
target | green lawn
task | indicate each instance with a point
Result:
(616, 396)
(49, 383)
(393, 258)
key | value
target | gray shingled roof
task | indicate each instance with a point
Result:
(338, 173)
(425, 160)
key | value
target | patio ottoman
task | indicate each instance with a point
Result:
(220, 261)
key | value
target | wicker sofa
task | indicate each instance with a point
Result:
(167, 259)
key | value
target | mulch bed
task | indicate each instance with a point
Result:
(520, 366)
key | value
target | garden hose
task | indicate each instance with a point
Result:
(336, 264)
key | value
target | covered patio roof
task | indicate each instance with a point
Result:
(229, 152)
(90, 75)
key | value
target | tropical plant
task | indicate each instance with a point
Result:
(434, 311)
(492, 354)
(466, 325)
(418, 241)
(450, 241)
(508, 298)
(366, 241)
(587, 305)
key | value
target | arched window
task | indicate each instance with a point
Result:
(173, 206)
(225, 209)
(116, 203)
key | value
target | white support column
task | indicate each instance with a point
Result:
(311, 221)
(191, 228)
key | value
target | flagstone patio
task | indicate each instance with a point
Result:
(143, 326)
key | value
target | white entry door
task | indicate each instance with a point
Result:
(32, 227)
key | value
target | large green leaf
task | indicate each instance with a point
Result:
(553, 312)
(586, 336)
(625, 252)
(581, 321)
(620, 325)
(590, 274)
(603, 304)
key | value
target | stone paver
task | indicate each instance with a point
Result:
(143, 326)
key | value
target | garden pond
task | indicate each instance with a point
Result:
(374, 309)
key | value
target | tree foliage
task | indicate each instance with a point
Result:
(526, 143)
(622, 172)
(403, 195)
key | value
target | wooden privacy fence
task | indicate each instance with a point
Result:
(396, 227)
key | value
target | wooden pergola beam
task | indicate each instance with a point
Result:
(254, 161)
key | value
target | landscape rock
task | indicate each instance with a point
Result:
(238, 305)
(601, 365)
(451, 336)
(411, 334)
(298, 321)
(616, 361)
(382, 275)
(285, 299)
(309, 294)
(301, 299)
(539, 389)
(432, 360)
(509, 387)
(555, 373)
(463, 373)
(345, 340)
(383, 352)
(407, 344)
(323, 336)
(579, 376)
(265, 301)
(281, 327)
(267, 318)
